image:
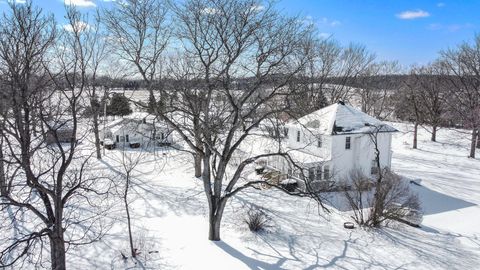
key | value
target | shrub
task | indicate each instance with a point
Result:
(257, 220)
(373, 203)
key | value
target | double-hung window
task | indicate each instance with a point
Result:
(348, 141)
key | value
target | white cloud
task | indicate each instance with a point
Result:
(441, 4)
(257, 8)
(325, 35)
(80, 3)
(327, 21)
(413, 14)
(81, 26)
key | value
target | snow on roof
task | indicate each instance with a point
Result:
(135, 122)
(340, 118)
(303, 157)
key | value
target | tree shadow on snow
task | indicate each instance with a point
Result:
(252, 263)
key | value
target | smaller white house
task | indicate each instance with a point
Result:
(330, 143)
(137, 129)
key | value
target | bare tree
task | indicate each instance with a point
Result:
(376, 85)
(225, 40)
(463, 66)
(314, 77)
(95, 53)
(408, 104)
(432, 83)
(140, 32)
(399, 203)
(388, 197)
(354, 60)
(129, 161)
(50, 180)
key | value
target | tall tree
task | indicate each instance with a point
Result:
(50, 180)
(432, 85)
(408, 105)
(375, 86)
(351, 63)
(314, 77)
(224, 40)
(463, 66)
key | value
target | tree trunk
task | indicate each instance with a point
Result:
(198, 144)
(57, 246)
(198, 165)
(434, 133)
(125, 200)
(415, 133)
(214, 221)
(473, 143)
(97, 136)
(478, 138)
(3, 179)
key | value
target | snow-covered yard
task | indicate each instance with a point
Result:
(170, 219)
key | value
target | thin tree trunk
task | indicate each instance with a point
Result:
(415, 133)
(473, 143)
(3, 179)
(434, 133)
(125, 200)
(97, 136)
(57, 246)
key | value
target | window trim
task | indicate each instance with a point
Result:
(298, 135)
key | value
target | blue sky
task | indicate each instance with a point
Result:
(407, 31)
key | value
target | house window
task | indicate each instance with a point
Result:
(326, 172)
(347, 142)
(117, 138)
(374, 167)
(298, 136)
(319, 142)
(126, 138)
(285, 131)
(311, 174)
(290, 173)
(318, 173)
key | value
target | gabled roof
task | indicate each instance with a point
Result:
(339, 119)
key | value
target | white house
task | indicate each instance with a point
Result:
(137, 128)
(331, 142)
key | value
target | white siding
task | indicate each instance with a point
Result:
(360, 154)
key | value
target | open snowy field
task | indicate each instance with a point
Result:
(170, 209)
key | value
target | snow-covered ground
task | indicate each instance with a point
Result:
(169, 213)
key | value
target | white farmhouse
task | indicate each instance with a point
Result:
(137, 129)
(331, 142)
